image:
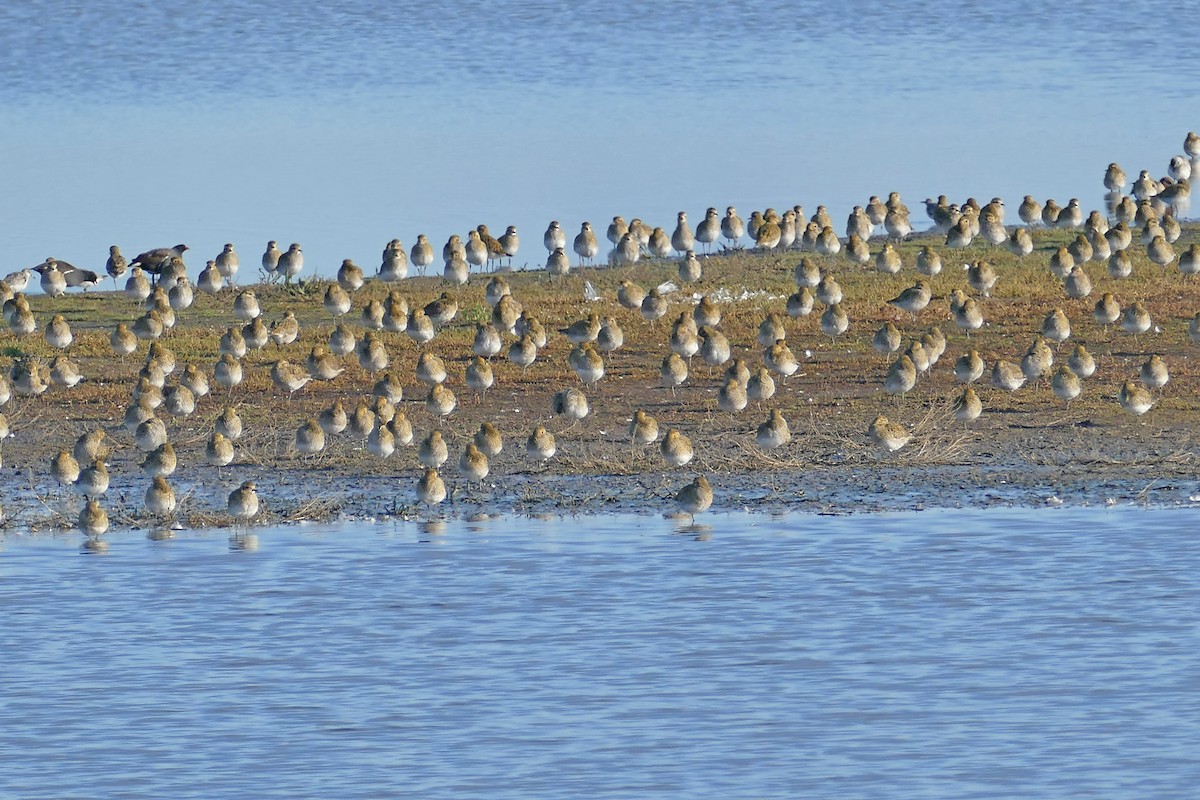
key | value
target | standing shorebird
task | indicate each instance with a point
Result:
(209, 280)
(227, 372)
(709, 231)
(479, 376)
(227, 264)
(555, 237)
(834, 321)
(913, 299)
(968, 316)
(431, 370)
(488, 440)
(901, 376)
(1030, 211)
(93, 520)
(557, 263)
(1136, 319)
(1081, 362)
(494, 251)
(859, 224)
(1071, 216)
(440, 401)
(888, 436)
(654, 306)
(617, 229)
(116, 264)
(779, 359)
(421, 254)
(456, 272)
(827, 243)
(476, 252)
(1115, 178)
(90, 446)
(967, 406)
(888, 260)
(697, 496)
(887, 339)
(291, 263)
(610, 337)
(1191, 145)
(336, 300)
(659, 244)
(682, 239)
(245, 305)
(1056, 327)
(586, 246)
(1134, 398)
(981, 277)
(64, 468)
(706, 312)
(772, 329)
(333, 420)
(690, 270)
(473, 463)
(310, 438)
(732, 397)
(829, 291)
(1107, 310)
(643, 430)
(800, 303)
(393, 266)
(243, 504)
(540, 447)
(137, 287)
(93, 481)
(807, 274)
(627, 251)
(289, 378)
(218, 452)
(58, 332)
(570, 403)
(523, 352)
(732, 227)
(714, 347)
(270, 260)
(969, 367)
(1159, 251)
(675, 448)
(1020, 243)
(510, 243)
(774, 432)
(1007, 376)
(1066, 384)
(674, 372)
(1154, 372)
(53, 282)
(160, 497)
(454, 249)
(1037, 359)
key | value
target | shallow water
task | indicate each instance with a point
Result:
(342, 126)
(999, 653)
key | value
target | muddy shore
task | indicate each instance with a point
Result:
(1027, 448)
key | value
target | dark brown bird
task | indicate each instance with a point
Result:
(153, 261)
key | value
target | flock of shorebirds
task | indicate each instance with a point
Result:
(1146, 218)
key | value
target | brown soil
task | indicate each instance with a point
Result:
(1028, 447)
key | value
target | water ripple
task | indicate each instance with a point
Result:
(941, 654)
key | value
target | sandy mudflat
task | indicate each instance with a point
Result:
(1028, 447)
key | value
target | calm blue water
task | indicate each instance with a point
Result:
(344, 125)
(966, 654)
(940, 655)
